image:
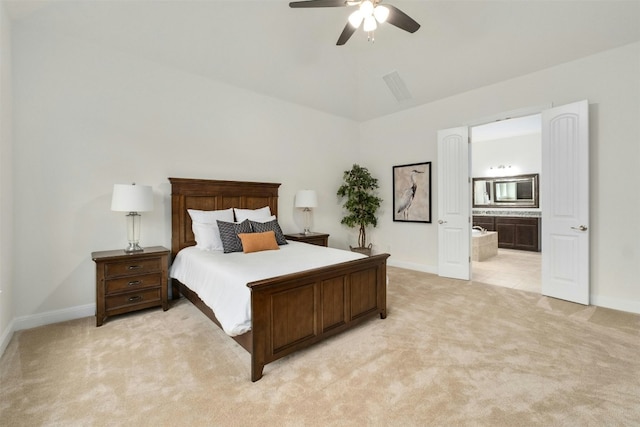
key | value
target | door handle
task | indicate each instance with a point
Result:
(441, 221)
(581, 228)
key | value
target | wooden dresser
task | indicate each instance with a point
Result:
(128, 282)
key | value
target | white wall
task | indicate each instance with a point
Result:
(611, 83)
(520, 154)
(87, 117)
(6, 190)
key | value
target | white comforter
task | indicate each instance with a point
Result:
(220, 279)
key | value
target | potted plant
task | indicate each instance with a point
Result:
(361, 203)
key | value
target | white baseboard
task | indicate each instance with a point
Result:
(41, 319)
(616, 304)
(6, 337)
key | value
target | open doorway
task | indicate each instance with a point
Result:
(564, 202)
(506, 162)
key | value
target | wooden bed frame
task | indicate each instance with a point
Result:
(289, 312)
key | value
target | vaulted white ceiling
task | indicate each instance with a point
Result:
(269, 48)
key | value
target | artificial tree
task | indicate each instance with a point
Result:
(361, 202)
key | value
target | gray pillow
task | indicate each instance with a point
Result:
(261, 227)
(229, 234)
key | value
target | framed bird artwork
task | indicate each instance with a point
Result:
(412, 192)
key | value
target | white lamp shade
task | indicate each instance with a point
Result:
(381, 13)
(355, 19)
(366, 7)
(306, 199)
(132, 198)
(370, 23)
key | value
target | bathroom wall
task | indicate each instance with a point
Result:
(518, 154)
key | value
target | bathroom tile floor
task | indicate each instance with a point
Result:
(512, 269)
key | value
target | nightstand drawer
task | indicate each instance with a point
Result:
(318, 239)
(133, 266)
(133, 283)
(114, 302)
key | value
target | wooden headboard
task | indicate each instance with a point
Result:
(208, 195)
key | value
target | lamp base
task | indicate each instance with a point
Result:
(133, 247)
(307, 221)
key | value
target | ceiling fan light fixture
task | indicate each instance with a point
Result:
(355, 19)
(381, 13)
(370, 23)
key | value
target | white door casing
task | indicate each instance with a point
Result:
(564, 196)
(454, 217)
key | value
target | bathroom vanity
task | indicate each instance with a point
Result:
(514, 232)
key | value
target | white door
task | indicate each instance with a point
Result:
(454, 218)
(564, 196)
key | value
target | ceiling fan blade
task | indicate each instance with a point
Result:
(346, 34)
(318, 3)
(401, 20)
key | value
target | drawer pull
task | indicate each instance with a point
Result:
(135, 298)
(134, 267)
(134, 282)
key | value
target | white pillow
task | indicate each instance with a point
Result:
(265, 219)
(252, 214)
(205, 227)
(210, 217)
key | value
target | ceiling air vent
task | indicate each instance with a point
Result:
(397, 87)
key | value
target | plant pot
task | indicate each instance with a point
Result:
(363, 250)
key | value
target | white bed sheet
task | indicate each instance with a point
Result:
(220, 279)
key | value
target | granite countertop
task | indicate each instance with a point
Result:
(507, 212)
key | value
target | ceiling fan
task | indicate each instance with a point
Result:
(368, 14)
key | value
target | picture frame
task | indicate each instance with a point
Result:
(412, 192)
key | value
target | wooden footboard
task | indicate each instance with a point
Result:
(294, 311)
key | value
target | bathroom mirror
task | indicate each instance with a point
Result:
(519, 191)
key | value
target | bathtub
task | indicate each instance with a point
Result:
(484, 245)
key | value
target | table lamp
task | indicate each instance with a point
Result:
(306, 199)
(133, 199)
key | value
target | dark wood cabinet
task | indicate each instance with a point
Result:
(521, 233)
(319, 239)
(127, 282)
(486, 222)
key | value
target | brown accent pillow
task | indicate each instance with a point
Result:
(255, 242)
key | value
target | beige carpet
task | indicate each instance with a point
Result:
(449, 353)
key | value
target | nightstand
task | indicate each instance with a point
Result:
(128, 282)
(319, 239)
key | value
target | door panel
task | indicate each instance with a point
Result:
(454, 204)
(565, 202)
